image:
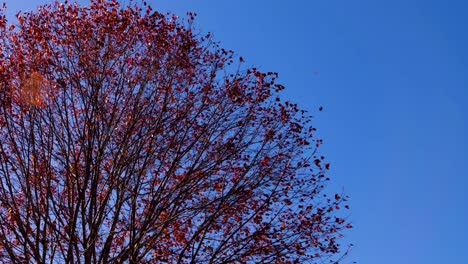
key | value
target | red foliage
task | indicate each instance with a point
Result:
(124, 137)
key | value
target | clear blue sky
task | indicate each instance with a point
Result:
(393, 79)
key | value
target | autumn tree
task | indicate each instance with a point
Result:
(128, 137)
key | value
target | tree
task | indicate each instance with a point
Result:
(126, 137)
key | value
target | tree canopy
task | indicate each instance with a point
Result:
(128, 137)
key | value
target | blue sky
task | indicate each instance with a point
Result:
(392, 77)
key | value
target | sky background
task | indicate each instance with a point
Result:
(392, 77)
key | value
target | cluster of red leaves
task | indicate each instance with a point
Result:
(126, 137)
